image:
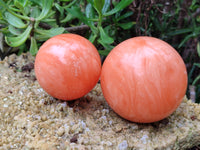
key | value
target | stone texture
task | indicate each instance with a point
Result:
(31, 119)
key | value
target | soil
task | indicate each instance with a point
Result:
(31, 119)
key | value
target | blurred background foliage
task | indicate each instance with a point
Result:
(26, 24)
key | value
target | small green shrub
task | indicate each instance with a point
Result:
(36, 21)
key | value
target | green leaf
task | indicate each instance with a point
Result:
(121, 5)
(198, 49)
(13, 30)
(104, 52)
(76, 12)
(46, 34)
(157, 23)
(194, 5)
(50, 15)
(5, 30)
(4, 5)
(49, 20)
(91, 2)
(106, 6)
(98, 5)
(92, 38)
(181, 31)
(18, 4)
(3, 22)
(105, 45)
(27, 10)
(15, 21)
(65, 0)
(2, 10)
(197, 64)
(59, 8)
(19, 40)
(46, 7)
(126, 25)
(33, 48)
(67, 18)
(124, 16)
(89, 11)
(195, 80)
(185, 40)
(70, 4)
(90, 14)
(105, 38)
(37, 2)
(21, 4)
(35, 12)
(22, 48)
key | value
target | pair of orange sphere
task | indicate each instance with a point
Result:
(143, 79)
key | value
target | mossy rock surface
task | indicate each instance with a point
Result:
(31, 119)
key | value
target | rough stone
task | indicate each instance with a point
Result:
(32, 119)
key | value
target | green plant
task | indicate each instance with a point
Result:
(21, 21)
(194, 81)
(101, 19)
(31, 22)
(193, 30)
(178, 23)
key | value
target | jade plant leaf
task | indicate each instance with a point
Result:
(105, 38)
(14, 21)
(33, 48)
(46, 34)
(14, 30)
(98, 4)
(46, 7)
(19, 40)
(106, 6)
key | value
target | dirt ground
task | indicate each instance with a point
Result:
(31, 119)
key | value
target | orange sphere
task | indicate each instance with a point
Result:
(144, 79)
(67, 66)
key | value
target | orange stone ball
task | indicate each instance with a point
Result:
(67, 66)
(144, 79)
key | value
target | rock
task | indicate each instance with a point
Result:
(61, 131)
(31, 119)
(123, 145)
